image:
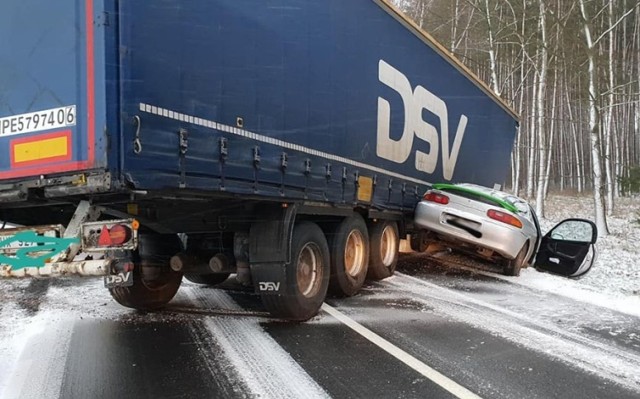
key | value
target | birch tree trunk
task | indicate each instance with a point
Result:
(492, 50)
(609, 117)
(540, 109)
(552, 128)
(600, 215)
(454, 26)
(532, 144)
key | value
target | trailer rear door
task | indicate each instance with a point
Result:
(49, 104)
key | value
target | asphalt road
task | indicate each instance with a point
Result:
(430, 331)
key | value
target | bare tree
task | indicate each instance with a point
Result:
(540, 108)
(581, 134)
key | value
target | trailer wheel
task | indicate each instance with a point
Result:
(349, 245)
(208, 279)
(154, 283)
(307, 276)
(383, 256)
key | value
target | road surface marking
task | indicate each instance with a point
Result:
(444, 382)
(538, 332)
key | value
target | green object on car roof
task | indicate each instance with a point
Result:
(498, 201)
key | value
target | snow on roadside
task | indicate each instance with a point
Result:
(40, 328)
(616, 271)
(532, 329)
(614, 280)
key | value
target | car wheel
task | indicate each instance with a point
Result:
(419, 242)
(513, 266)
(384, 243)
(349, 245)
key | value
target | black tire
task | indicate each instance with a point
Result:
(384, 245)
(154, 283)
(349, 246)
(513, 266)
(419, 242)
(298, 299)
(208, 279)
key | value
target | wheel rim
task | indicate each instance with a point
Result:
(309, 271)
(354, 253)
(388, 244)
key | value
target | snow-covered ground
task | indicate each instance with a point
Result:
(617, 268)
(613, 282)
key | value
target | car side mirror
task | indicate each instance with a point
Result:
(576, 230)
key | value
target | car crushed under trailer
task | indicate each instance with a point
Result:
(274, 142)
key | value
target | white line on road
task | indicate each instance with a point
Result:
(531, 328)
(446, 383)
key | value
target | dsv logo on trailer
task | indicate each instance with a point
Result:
(121, 279)
(269, 286)
(415, 101)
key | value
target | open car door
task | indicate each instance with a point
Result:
(568, 249)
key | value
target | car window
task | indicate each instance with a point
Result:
(573, 230)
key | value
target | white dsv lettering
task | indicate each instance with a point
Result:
(269, 286)
(414, 102)
(119, 278)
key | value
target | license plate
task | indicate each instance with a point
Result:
(38, 121)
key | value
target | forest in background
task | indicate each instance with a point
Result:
(571, 69)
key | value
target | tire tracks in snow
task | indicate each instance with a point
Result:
(41, 346)
(613, 363)
(259, 362)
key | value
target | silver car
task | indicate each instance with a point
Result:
(503, 228)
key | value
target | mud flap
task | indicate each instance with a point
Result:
(270, 249)
(268, 278)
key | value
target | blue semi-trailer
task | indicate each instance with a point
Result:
(284, 141)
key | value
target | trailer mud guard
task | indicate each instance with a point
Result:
(270, 245)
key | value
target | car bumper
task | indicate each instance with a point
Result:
(470, 228)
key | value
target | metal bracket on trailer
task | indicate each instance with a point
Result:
(49, 250)
(85, 212)
(81, 268)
